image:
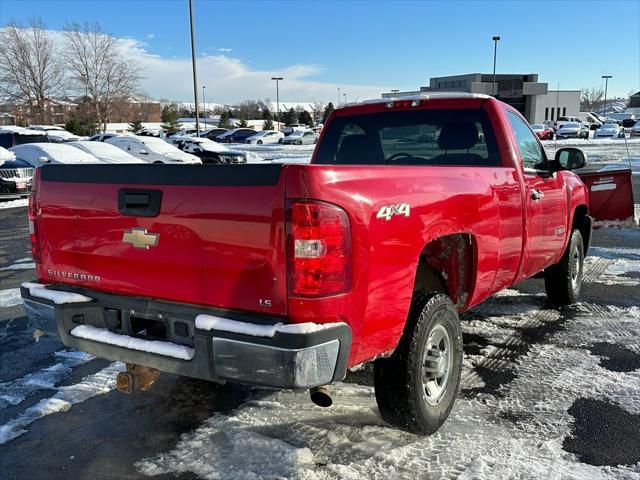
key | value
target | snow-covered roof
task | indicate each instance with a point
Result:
(20, 130)
(105, 152)
(38, 153)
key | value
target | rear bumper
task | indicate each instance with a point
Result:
(280, 360)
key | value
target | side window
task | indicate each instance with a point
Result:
(531, 152)
(5, 140)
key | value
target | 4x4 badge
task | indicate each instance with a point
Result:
(140, 238)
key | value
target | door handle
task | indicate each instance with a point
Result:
(536, 194)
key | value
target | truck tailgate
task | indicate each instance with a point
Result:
(202, 234)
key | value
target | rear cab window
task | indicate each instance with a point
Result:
(432, 137)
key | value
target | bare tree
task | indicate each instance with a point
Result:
(592, 99)
(97, 68)
(31, 73)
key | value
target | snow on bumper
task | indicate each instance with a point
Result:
(193, 341)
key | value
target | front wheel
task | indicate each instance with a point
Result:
(563, 280)
(259, 142)
(417, 386)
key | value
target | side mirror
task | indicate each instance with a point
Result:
(44, 159)
(570, 158)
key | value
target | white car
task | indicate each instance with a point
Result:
(265, 136)
(105, 152)
(609, 130)
(56, 134)
(152, 149)
(300, 137)
(36, 154)
(635, 130)
(209, 151)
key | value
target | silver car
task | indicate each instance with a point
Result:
(306, 137)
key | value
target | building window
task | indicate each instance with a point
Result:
(553, 112)
(546, 113)
(564, 111)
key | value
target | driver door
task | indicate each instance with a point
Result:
(545, 203)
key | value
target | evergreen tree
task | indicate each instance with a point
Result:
(290, 117)
(327, 110)
(224, 119)
(136, 127)
(243, 121)
(268, 124)
(305, 118)
(74, 126)
(169, 117)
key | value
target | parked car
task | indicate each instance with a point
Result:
(182, 133)
(573, 130)
(542, 131)
(152, 149)
(56, 134)
(610, 130)
(11, 136)
(300, 137)
(105, 152)
(212, 133)
(635, 130)
(237, 135)
(265, 136)
(16, 176)
(629, 122)
(209, 151)
(37, 154)
(101, 137)
(285, 276)
(296, 127)
(563, 120)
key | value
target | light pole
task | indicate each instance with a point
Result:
(338, 96)
(344, 95)
(277, 79)
(495, 52)
(193, 66)
(606, 84)
(204, 107)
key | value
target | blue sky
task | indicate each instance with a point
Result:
(367, 45)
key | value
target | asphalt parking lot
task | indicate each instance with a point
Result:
(545, 394)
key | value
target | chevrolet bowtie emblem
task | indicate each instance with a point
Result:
(140, 238)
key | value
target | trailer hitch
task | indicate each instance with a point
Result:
(136, 377)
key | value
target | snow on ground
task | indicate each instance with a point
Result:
(97, 384)
(21, 202)
(10, 297)
(547, 363)
(20, 266)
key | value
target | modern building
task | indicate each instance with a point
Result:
(522, 91)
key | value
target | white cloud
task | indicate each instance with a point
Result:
(150, 36)
(230, 79)
(224, 50)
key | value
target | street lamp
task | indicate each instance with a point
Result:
(606, 84)
(277, 79)
(338, 96)
(495, 52)
(344, 95)
(193, 66)
(204, 107)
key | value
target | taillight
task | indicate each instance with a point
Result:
(318, 249)
(33, 228)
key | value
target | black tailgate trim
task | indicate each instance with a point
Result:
(215, 175)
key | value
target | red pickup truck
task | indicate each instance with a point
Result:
(411, 211)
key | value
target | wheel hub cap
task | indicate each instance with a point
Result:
(437, 364)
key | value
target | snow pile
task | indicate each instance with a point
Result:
(211, 322)
(97, 384)
(15, 391)
(10, 297)
(39, 290)
(103, 335)
(20, 266)
(21, 202)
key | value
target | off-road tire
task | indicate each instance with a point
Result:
(399, 388)
(563, 280)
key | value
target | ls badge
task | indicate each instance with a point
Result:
(387, 211)
(140, 238)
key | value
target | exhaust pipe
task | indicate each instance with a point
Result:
(321, 396)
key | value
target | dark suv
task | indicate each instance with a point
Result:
(12, 136)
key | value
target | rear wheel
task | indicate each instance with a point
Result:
(259, 142)
(563, 280)
(417, 386)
